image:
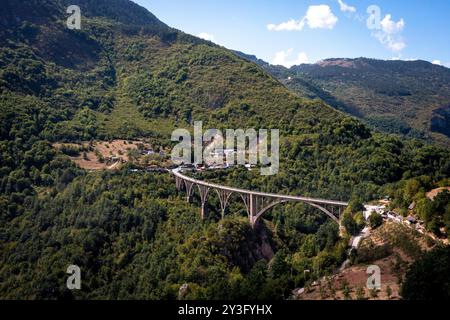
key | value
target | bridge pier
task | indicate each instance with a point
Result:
(204, 198)
(178, 183)
(204, 211)
(224, 196)
(253, 210)
(256, 203)
(189, 188)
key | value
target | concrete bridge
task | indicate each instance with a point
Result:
(256, 203)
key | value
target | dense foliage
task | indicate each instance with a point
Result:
(427, 278)
(413, 192)
(133, 237)
(128, 76)
(390, 96)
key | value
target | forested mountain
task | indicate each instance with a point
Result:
(410, 98)
(127, 75)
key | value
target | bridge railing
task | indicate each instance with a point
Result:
(177, 172)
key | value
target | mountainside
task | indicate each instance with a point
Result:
(126, 75)
(406, 97)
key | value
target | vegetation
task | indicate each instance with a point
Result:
(388, 239)
(375, 220)
(360, 293)
(127, 75)
(435, 213)
(389, 96)
(388, 292)
(427, 278)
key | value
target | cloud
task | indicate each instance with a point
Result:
(291, 25)
(438, 62)
(390, 34)
(317, 17)
(390, 26)
(346, 8)
(207, 36)
(404, 59)
(284, 58)
(320, 17)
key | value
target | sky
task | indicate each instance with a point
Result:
(289, 32)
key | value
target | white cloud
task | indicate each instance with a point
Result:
(291, 25)
(404, 59)
(390, 34)
(317, 17)
(320, 17)
(346, 8)
(389, 26)
(284, 58)
(207, 36)
(438, 62)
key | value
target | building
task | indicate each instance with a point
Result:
(411, 220)
(373, 208)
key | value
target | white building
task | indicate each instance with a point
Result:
(379, 209)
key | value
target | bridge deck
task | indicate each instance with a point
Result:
(177, 173)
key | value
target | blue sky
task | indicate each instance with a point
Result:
(295, 31)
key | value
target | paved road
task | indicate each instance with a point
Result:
(177, 172)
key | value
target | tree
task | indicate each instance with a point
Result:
(388, 292)
(346, 290)
(412, 187)
(350, 224)
(327, 235)
(324, 262)
(255, 280)
(322, 291)
(427, 278)
(446, 219)
(374, 293)
(356, 205)
(278, 266)
(375, 220)
(360, 293)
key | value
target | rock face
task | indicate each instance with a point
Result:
(265, 249)
(243, 246)
(440, 122)
(183, 291)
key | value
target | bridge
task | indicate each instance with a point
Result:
(256, 203)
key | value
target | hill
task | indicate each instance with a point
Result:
(404, 97)
(126, 75)
(392, 247)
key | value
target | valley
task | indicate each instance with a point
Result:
(387, 95)
(85, 140)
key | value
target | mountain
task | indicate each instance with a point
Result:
(126, 75)
(411, 98)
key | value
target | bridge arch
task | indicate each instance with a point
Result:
(224, 198)
(269, 207)
(256, 203)
(324, 210)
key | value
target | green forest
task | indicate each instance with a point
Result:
(127, 75)
(389, 96)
